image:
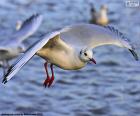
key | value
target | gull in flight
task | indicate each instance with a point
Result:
(10, 49)
(70, 48)
(99, 17)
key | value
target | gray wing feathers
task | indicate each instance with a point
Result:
(91, 36)
(121, 37)
(124, 40)
(27, 56)
(28, 27)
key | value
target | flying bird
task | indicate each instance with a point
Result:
(70, 48)
(12, 47)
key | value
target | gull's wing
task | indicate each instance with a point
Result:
(28, 55)
(91, 36)
(28, 27)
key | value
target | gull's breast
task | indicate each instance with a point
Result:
(61, 54)
(67, 61)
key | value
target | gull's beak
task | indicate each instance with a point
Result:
(93, 60)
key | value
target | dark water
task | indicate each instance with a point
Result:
(110, 88)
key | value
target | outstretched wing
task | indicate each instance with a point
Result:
(27, 56)
(28, 27)
(91, 36)
(124, 41)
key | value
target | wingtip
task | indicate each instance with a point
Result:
(33, 17)
(36, 15)
(4, 80)
(134, 54)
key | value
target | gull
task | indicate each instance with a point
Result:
(12, 47)
(99, 17)
(70, 48)
(5, 64)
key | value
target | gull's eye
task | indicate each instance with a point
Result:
(85, 54)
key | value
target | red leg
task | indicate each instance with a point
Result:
(52, 78)
(47, 80)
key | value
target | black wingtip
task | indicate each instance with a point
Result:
(5, 76)
(28, 20)
(4, 81)
(134, 54)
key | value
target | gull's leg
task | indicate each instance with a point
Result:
(47, 80)
(52, 78)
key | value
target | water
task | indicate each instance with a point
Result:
(110, 88)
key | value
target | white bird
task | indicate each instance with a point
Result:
(70, 48)
(12, 47)
(99, 17)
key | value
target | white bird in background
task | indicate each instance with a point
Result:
(70, 48)
(99, 17)
(12, 47)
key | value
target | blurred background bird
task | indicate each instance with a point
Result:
(99, 17)
(12, 47)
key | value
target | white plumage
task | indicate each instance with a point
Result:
(12, 47)
(71, 47)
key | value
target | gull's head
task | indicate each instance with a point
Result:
(104, 7)
(86, 55)
(18, 25)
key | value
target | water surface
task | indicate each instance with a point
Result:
(110, 88)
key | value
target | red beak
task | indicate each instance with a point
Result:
(93, 61)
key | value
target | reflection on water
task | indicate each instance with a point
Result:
(109, 88)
